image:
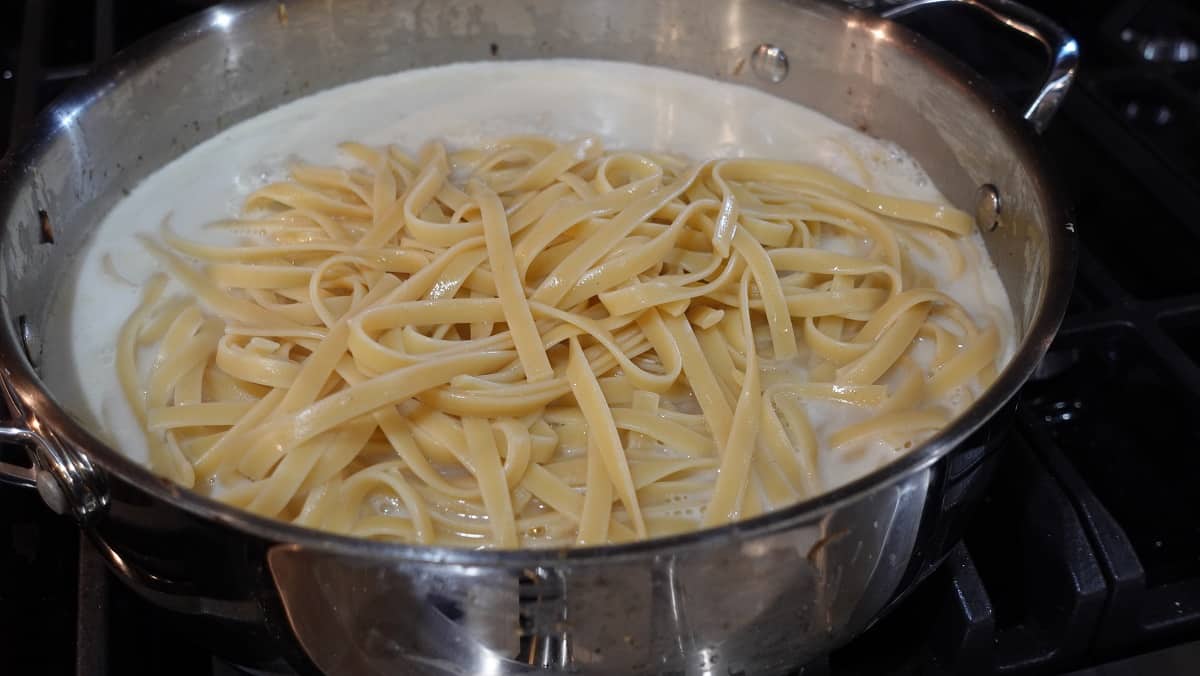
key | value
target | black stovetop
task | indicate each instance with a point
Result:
(1087, 549)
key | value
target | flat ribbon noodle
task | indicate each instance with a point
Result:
(535, 343)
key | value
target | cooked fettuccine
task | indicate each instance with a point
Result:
(536, 343)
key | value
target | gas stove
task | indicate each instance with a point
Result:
(1086, 552)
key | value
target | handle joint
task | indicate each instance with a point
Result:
(1062, 49)
(66, 480)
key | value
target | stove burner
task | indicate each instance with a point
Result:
(1157, 48)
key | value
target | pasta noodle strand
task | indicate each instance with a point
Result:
(536, 343)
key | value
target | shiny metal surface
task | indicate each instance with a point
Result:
(759, 596)
(987, 207)
(1061, 48)
(770, 63)
(66, 480)
(17, 475)
(758, 605)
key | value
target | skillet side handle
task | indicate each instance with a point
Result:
(1061, 48)
(16, 475)
(85, 507)
(69, 485)
(65, 479)
(59, 479)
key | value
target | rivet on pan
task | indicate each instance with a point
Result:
(987, 209)
(51, 492)
(28, 341)
(769, 63)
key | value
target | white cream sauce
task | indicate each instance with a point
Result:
(627, 106)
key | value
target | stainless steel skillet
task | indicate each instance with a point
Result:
(756, 597)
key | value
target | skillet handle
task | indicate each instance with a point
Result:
(1061, 48)
(46, 478)
(16, 475)
(66, 480)
(60, 480)
(69, 484)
